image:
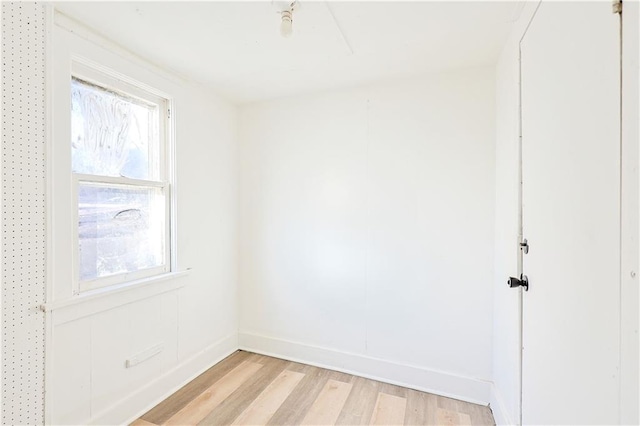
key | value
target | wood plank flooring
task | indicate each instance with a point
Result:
(252, 389)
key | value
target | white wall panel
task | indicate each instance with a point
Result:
(118, 334)
(430, 222)
(23, 212)
(207, 220)
(71, 352)
(303, 245)
(366, 221)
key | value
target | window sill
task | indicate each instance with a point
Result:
(103, 299)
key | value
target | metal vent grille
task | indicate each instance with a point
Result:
(23, 212)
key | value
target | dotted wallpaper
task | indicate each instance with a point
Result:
(23, 212)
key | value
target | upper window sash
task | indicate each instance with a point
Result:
(124, 86)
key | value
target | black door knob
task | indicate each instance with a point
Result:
(523, 281)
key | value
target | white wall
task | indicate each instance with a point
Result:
(367, 230)
(195, 315)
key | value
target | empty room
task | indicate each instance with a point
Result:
(320, 212)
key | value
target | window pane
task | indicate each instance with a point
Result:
(113, 134)
(121, 229)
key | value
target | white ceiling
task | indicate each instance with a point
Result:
(236, 49)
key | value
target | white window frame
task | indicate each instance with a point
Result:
(111, 81)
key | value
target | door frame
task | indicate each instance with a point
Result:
(630, 214)
(520, 253)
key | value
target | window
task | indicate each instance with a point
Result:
(120, 177)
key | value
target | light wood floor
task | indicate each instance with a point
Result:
(251, 389)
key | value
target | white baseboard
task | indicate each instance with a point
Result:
(500, 413)
(410, 376)
(128, 409)
(437, 382)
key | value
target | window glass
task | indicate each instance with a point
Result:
(121, 229)
(113, 134)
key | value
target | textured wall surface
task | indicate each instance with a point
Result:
(23, 212)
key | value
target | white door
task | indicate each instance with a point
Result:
(571, 214)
